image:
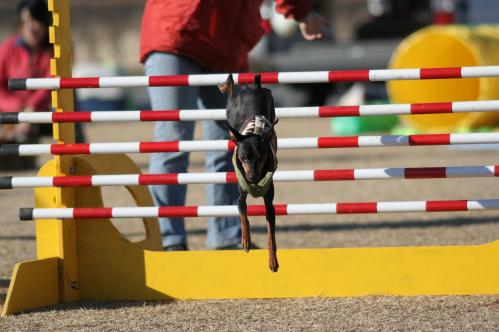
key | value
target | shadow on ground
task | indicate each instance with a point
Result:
(17, 238)
(331, 227)
(95, 305)
(4, 286)
(372, 225)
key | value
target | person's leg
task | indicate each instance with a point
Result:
(222, 231)
(163, 98)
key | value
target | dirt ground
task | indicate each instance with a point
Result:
(449, 313)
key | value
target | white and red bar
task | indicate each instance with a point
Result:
(246, 78)
(227, 145)
(9, 182)
(282, 112)
(259, 210)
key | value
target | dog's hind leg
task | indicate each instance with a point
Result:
(270, 216)
(243, 214)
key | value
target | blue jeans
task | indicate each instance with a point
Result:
(224, 231)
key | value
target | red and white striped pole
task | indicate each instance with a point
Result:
(372, 75)
(9, 182)
(227, 145)
(259, 210)
(281, 112)
(443, 11)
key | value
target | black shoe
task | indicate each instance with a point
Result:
(176, 247)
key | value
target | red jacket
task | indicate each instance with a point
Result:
(217, 34)
(17, 61)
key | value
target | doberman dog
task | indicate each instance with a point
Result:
(251, 119)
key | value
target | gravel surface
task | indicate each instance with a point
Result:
(449, 313)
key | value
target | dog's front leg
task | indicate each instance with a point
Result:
(270, 216)
(243, 214)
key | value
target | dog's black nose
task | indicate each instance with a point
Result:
(252, 179)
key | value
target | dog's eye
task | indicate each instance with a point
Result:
(243, 159)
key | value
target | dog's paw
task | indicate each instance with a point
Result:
(273, 264)
(246, 243)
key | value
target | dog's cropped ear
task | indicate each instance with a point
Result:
(236, 134)
(227, 86)
(257, 82)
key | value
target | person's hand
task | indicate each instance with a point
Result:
(313, 26)
(28, 109)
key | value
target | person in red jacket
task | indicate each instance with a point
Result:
(25, 54)
(197, 37)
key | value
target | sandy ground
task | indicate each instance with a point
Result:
(473, 313)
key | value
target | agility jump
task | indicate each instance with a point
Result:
(88, 258)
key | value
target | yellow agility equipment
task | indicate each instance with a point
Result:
(91, 260)
(99, 247)
(454, 46)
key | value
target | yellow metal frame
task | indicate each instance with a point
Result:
(90, 259)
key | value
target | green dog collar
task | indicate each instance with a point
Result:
(258, 189)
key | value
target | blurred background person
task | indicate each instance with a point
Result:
(25, 54)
